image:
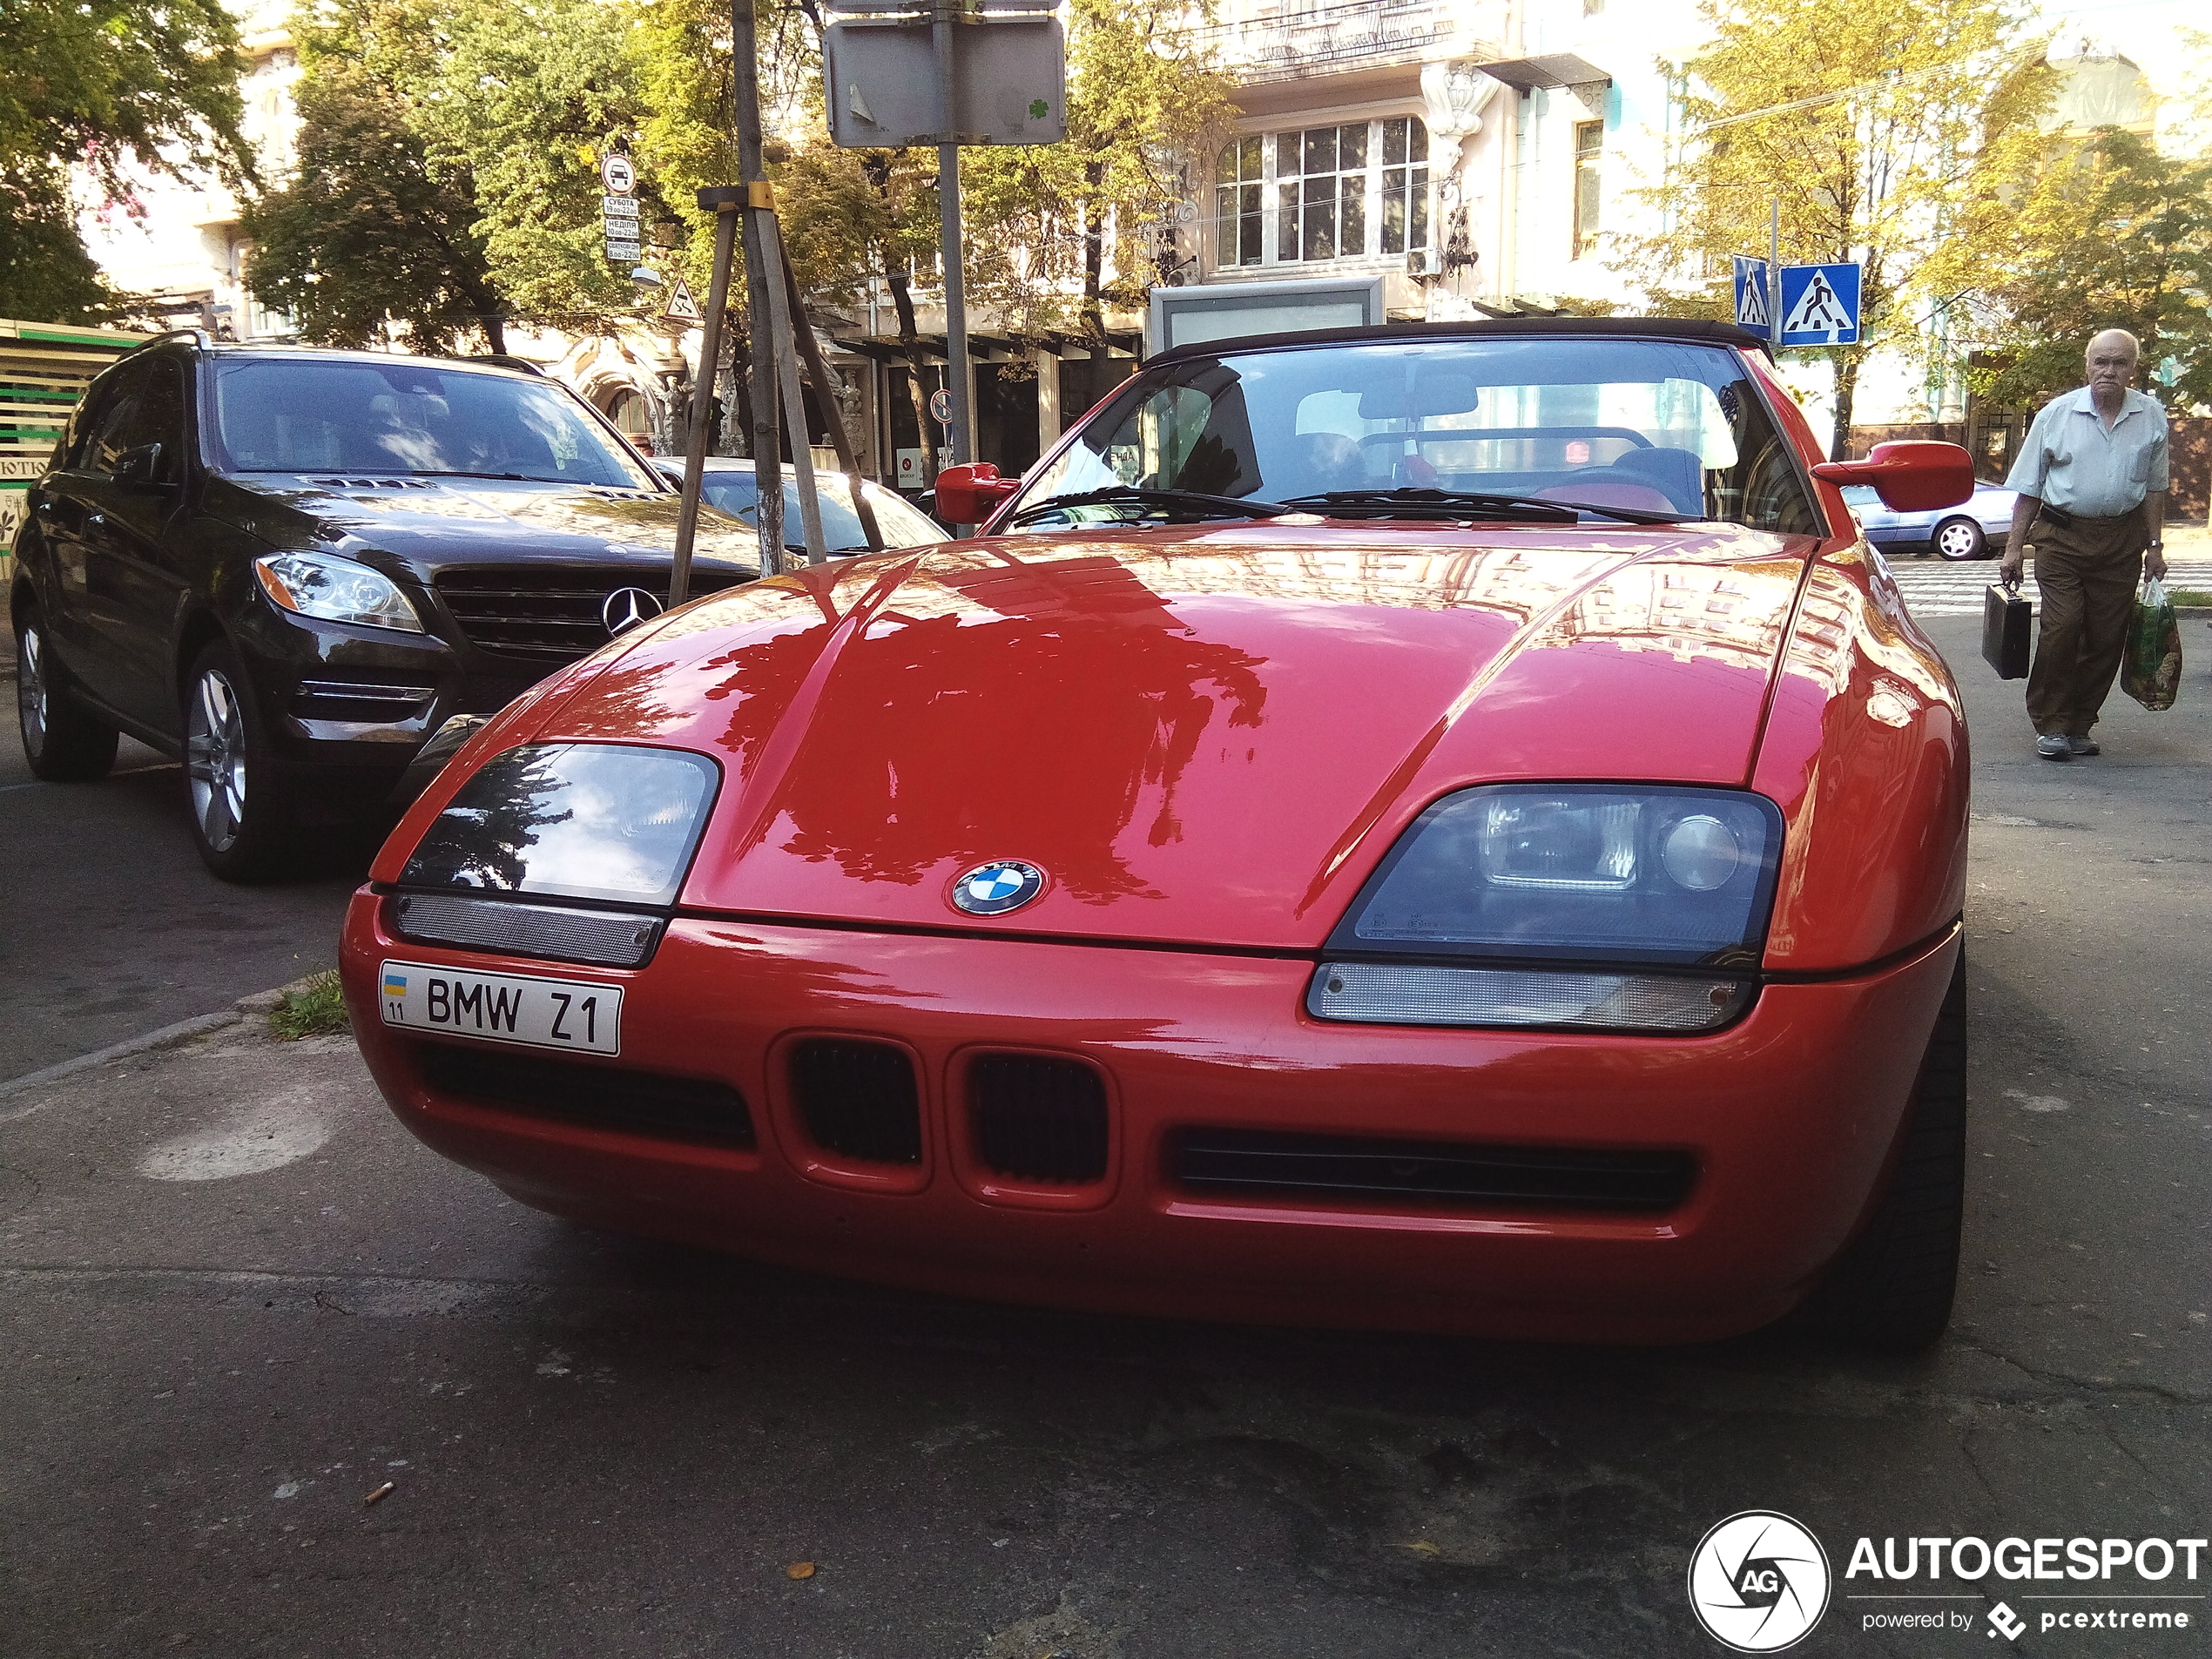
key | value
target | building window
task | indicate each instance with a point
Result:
(1322, 188)
(1236, 198)
(1590, 150)
(1405, 184)
(1321, 192)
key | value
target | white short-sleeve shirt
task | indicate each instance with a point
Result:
(2073, 463)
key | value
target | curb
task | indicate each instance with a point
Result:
(169, 1036)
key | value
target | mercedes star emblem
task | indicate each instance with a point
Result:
(626, 607)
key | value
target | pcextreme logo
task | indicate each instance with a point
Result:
(1759, 1581)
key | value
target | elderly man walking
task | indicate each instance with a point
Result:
(2092, 483)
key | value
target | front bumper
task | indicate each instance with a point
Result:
(1790, 1115)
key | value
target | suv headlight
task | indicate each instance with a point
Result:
(335, 589)
(1586, 879)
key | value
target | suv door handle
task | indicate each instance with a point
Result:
(96, 518)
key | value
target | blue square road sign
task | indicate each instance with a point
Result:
(1750, 294)
(1820, 305)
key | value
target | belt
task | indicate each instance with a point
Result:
(2065, 520)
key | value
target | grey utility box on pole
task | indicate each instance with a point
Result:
(948, 72)
(879, 73)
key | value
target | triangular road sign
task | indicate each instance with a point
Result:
(681, 306)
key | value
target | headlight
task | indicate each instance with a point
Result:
(335, 589)
(606, 822)
(1603, 877)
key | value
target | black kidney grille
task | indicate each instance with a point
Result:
(1451, 1174)
(635, 1102)
(552, 613)
(1039, 1119)
(858, 1099)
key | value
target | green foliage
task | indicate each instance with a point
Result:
(108, 85)
(1044, 221)
(363, 234)
(317, 1008)
(45, 274)
(1890, 131)
(2113, 235)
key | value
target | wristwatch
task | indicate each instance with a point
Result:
(2158, 546)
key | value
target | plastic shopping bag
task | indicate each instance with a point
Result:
(2150, 671)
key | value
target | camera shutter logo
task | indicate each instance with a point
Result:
(1759, 1581)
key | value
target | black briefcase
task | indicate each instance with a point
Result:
(2005, 618)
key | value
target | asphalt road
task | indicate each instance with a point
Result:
(112, 927)
(599, 1447)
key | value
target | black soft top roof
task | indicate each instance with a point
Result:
(1693, 328)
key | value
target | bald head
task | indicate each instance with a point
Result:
(2111, 360)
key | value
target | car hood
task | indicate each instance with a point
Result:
(1201, 736)
(433, 524)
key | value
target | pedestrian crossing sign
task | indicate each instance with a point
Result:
(1750, 294)
(1820, 305)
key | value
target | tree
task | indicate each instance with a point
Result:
(1044, 223)
(2113, 235)
(364, 234)
(1894, 132)
(107, 85)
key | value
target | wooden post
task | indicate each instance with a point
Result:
(724, 204)
(767, 447)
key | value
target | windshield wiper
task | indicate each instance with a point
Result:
(513, 477)
(1412, 501)
(1190, 503)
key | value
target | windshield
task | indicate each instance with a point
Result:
(408, 418)
(1648, 425)
(739, 495)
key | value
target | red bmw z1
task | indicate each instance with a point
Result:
(1440, 827)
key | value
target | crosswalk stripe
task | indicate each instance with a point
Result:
(1935, 589)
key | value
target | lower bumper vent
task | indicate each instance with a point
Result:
(633, 1102)
(1442, 1173)
(1039, 1119)
(858, 1099)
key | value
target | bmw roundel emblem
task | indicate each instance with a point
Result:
(995, 888)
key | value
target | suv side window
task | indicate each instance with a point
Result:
(154, 414)
(97, 411)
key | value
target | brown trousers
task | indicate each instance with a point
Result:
(2086, 572)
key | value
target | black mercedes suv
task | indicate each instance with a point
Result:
(290, 568)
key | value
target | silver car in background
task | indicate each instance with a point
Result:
(1976, 529)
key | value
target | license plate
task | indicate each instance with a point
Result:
(505, 1008)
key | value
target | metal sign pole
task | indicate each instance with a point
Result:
(1774, 273)
(725, 203)
(945, 37)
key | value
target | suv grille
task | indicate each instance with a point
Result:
(1447, 1173)
(1039, 1119)
(858, 1099)
(553, 613)
(634, 1102)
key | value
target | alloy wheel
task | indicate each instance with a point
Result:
(30, 689)
(215, 759)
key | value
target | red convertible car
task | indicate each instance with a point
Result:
(1442, 826)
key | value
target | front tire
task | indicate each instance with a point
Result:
(62, 742)
(1893, 1287)
(233, 789)
(1960, 539)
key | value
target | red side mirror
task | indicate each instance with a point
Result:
(1912, 475)
(971, 494)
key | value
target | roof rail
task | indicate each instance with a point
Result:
(503, 360)
(198, 336)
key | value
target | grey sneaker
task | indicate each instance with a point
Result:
(2056, 746)
(2081, 744)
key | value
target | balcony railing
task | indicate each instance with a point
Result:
(1285, 44)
